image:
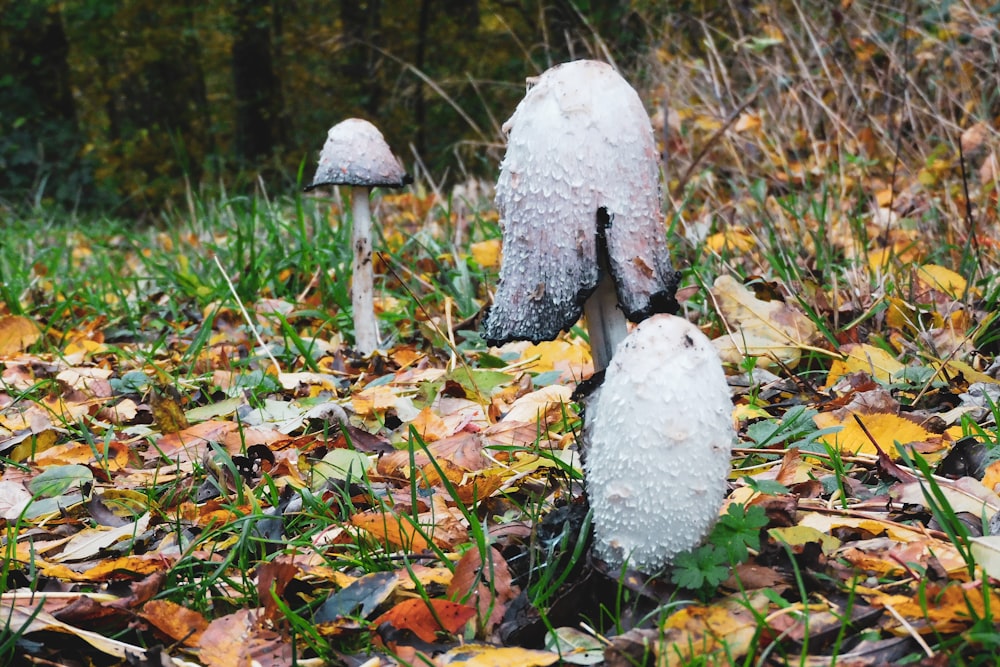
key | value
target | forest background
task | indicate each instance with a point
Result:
(124, 103)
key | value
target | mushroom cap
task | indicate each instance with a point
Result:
(660, 442)
(355, 153)
(578, 142)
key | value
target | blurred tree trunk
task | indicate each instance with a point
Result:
(39, 54)
(362, 27)
(39, 133)
(152, 87)
(257, 89)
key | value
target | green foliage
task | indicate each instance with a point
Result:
(732, 538)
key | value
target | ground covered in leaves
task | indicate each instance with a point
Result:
(198, 469)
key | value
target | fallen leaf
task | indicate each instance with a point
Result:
(716, 634)
(26, 618)
(425, 618)
(863, 358)
(17, 333)
(768, 330)
(484, 655)
(542, 405)
(886, 429)
(488, 586)
(239, 640)
(178, 623)
(486, 253)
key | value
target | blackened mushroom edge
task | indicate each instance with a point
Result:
(579, 201)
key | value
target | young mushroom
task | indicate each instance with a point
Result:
(579, 201)
(355, 154)
(660, 443)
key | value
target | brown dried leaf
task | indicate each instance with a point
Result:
(238, 640)
(489, 587)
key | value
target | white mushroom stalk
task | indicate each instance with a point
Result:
(660, 443)
(355, 154)
(579, 201)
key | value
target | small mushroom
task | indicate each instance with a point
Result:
(660, 444)
(579, 200)
(355, 154)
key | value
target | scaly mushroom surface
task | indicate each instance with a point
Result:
(579, 202)
(660, 442)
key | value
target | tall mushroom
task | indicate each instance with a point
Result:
(660, 442)
(356, 154)
(579, 201)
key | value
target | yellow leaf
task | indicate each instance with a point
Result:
(955, 367)
(735, 239)
(886, 429)
(727, 629)
(952, 610)
(707, 123)
(800, 535)
(886, 197)
(486, 253)
(943, 280)
(16, 334)
(743, 412)
(864, 358)
(559, 355)
(747, 122)
(483, 655)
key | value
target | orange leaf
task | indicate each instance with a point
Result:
(179, 623)
(398, 532)
(425, 618)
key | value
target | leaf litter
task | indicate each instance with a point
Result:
(188, 502)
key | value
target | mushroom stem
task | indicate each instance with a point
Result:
(362, 281)
(606, 324)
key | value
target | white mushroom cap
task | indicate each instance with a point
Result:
(579, 141)
(660, 441)
(355, 153)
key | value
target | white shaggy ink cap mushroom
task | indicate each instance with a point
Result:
(580, 141)
(355, 153)
(659, 452)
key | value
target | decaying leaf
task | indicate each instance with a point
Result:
(713, 635)
(23, 616)
(487, 586)
(241, 639)
(769, 330)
